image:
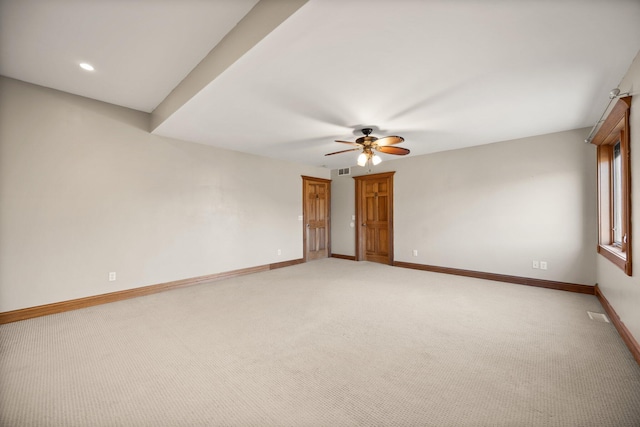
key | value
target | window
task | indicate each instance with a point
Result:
(616, 196)
(614, 179)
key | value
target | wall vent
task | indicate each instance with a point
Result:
(344, 171)
(598, 317)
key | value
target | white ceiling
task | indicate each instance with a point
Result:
(141, 49)
(442, 74)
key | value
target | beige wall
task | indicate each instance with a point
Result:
(85, 189)
(493, 208)
(622, 291)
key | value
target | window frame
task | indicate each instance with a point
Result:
(614, 130)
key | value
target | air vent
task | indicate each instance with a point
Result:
(345, 171)
(598, 317)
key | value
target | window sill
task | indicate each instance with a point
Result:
(616, 256)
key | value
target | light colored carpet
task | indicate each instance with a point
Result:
(327, 343)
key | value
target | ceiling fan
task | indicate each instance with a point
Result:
(368, 144)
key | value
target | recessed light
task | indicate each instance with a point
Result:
(86, 66)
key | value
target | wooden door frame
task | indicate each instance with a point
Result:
(360, 236)
(305, 179)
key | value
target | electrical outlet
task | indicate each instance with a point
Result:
(535, 264)
(112, 276)
(279, 252)
(543, 265)
(415, 252)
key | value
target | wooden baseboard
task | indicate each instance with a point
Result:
(626, 335)
(563, 286)
(349, 257)
(62, 306)
(285, 263)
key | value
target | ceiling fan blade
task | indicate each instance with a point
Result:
(393, 150)
(348, 142)
(343, 151)
(389, 140)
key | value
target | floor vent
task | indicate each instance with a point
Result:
(598, 317)
(344, 171)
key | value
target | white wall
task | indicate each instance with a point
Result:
(85, 189)
(493, 208)
(622, 291)
(343, 235)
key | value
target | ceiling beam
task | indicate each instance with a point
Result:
(263, 18)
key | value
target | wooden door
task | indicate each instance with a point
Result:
(374, 216)
(316, 209)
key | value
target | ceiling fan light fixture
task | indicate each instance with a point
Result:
(370, 144)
